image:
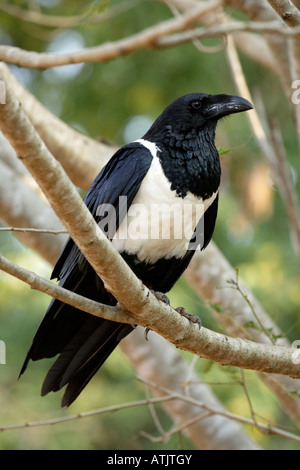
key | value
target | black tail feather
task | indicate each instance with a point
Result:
(80, 379)
(82, 341)
(96, 338)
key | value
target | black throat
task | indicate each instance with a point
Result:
(190, 161)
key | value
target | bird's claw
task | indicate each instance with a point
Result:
(146, 333)
(162, 297)
(191, 317)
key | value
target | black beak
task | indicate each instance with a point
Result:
(219, 106)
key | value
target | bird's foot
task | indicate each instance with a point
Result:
(181, 310)
(162, 297)
(191, 317)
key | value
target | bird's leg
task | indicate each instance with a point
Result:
(181, 310)
(190, 316)
(163, 298)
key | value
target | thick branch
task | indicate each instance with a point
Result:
(165, 321)
(287, 11)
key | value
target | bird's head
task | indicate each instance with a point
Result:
(194, 112)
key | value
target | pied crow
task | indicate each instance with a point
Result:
(175, 164)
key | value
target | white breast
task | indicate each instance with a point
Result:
(159, 224)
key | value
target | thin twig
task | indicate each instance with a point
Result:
(243, 382)
(266, 429)
(148, 38)
(87, 414)
(165, 436)
(34, 230)
(235, 284)
(56, 21)
(64, 295)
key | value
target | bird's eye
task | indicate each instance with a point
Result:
(196, 104)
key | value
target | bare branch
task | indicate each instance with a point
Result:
(147, 38)
(290, 14)
(214, 346)
(86, 414)
(173, 373)
(228, 28)
(32, 230)
(262, 11)
(38, 283)
(55, 21)
(261, 427)
(253, 45)
(155, 40)
(287, 11)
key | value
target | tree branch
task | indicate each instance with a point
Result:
(205, 343)
(78, 301)
(147, 38)
(54, 21)
(253, 45)
(257, 10)
(287, 11)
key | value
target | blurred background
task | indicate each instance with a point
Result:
(117, 101)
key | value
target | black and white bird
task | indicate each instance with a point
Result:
(175, 164)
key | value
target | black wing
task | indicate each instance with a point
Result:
(84, 341)
(121, 176)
